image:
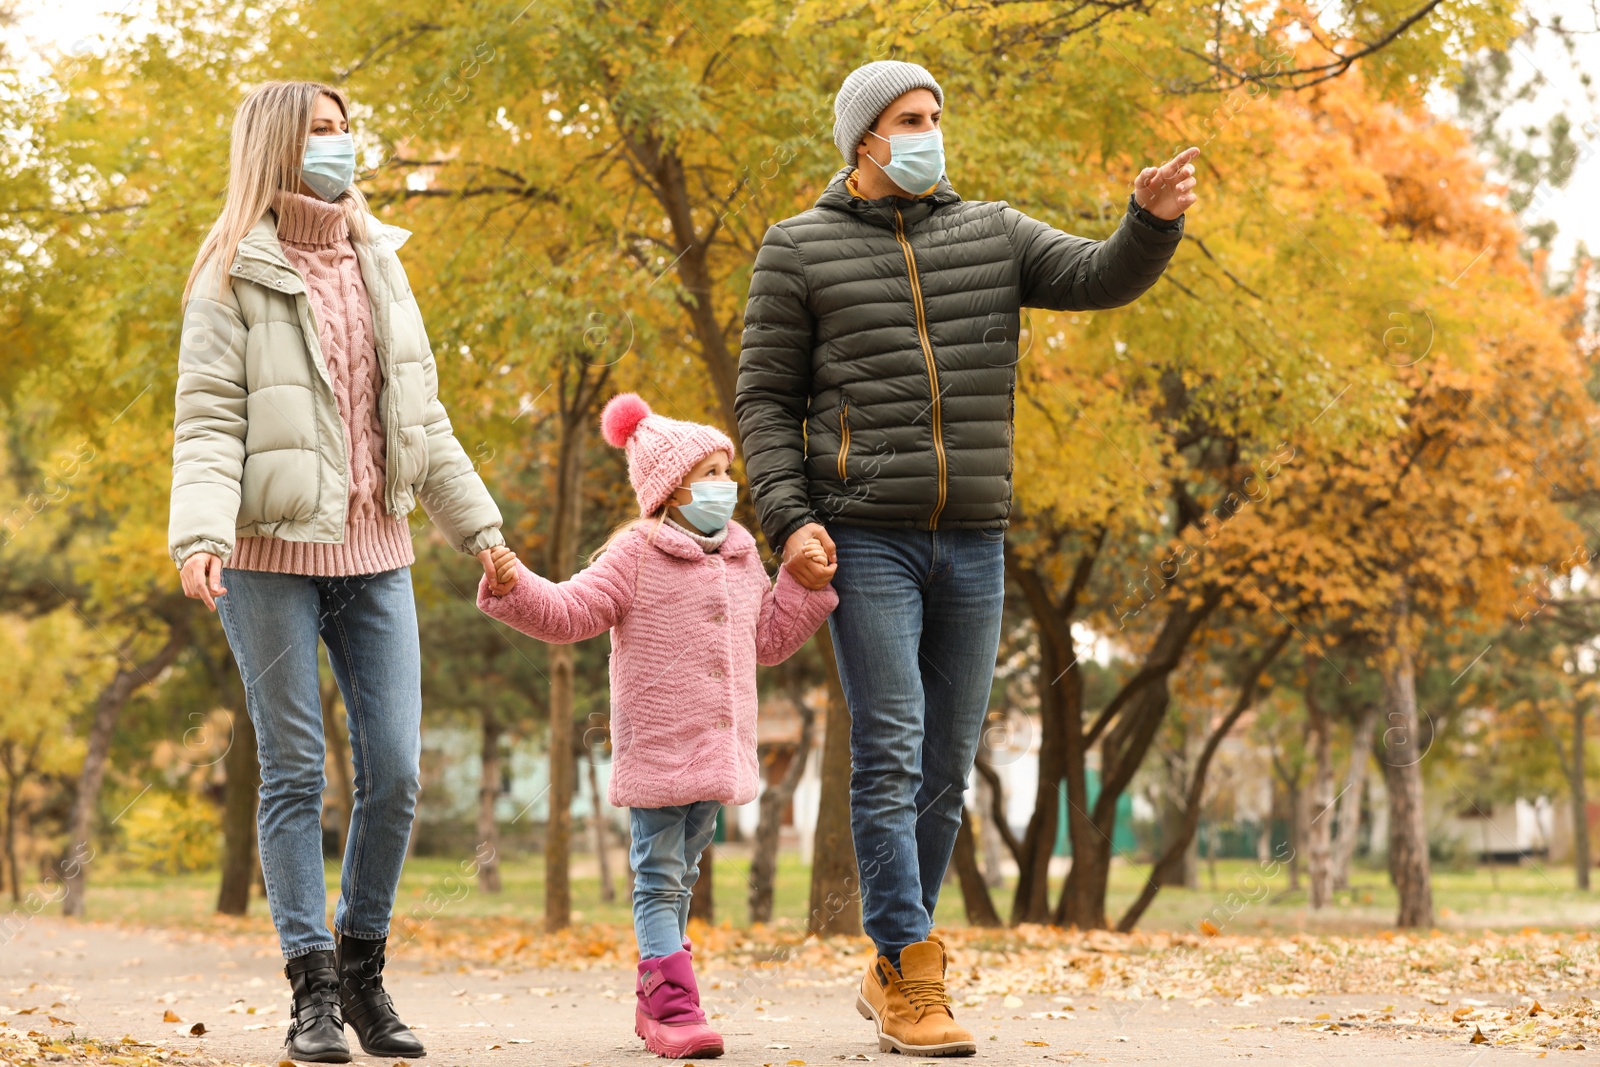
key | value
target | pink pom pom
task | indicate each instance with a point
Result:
(622, 415)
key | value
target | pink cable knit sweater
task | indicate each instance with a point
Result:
(687, 630)
(316, 241)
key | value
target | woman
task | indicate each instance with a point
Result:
(308, 425)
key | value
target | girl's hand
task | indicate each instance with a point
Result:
(500, 569)
(809, 565)
(202, 578)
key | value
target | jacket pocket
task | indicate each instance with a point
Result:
(844, 437)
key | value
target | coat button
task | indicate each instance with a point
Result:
(719, 618)
(716, 672)
(723, 724)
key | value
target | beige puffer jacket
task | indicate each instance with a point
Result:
(259, 448)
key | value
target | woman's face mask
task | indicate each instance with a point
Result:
(712, 505)
(329, 165)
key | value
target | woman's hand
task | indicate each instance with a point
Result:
(202, 578)
(500, 568)
(1167, 191)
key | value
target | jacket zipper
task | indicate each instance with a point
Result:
(844, 437)
(927, 356)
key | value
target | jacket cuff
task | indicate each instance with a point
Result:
(216, 548)
(486, 538)
(1139, 214)
(787, 530)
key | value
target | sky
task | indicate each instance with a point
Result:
(72, 26)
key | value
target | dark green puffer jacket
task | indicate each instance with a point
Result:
(878, 371)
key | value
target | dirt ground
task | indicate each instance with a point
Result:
(75, 992)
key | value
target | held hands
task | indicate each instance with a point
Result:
(809, 556)
(1167, 191)
(202, 578)
(499, 568)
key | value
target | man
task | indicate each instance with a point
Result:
(875, 403)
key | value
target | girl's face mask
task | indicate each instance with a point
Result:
(712, 505)
(329, 164)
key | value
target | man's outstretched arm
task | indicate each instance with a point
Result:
(1061, 272)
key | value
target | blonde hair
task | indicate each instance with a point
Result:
(269, 141)
(627, 527)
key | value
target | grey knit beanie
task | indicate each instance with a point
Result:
(867, 91)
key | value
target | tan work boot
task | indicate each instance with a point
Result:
(910, 1008)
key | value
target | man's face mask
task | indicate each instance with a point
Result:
(916, 160)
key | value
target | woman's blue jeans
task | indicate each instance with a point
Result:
(915, 634)
(369, 624)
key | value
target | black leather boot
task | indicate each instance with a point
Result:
(316, 1028)
(367, 1006)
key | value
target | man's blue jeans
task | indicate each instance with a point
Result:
(916, 632)
(665, 854)
(369, 624)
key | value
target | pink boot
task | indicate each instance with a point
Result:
(668, 1015)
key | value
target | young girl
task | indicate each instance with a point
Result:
(691, 612)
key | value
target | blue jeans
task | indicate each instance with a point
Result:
(915, 633)
(665, 855)
(369, 624)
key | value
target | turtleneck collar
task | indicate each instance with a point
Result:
(710, 542)
(309, 222)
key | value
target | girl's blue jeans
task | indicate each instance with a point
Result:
(665, 854)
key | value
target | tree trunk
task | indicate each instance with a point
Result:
(669, 183)
(1129, 723)
(576, 409)
(1297, 836)
(703, 901)
(1348, 829)
(974, 892)
(1319, 801)
(107, 709)
(1194, 795)
(602, 851)
(1405, 744)
(1185, 873)
(240, 797)
(764, 857)
(18, 771)
(835, 902)
(336, 736)
(989, 841)
(489, 775)
(1030, 903)
(1580, 796)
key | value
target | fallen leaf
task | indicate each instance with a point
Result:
(1537, 1010)
(170, 1016)
(1209, 928)
(1012, 1001)
(196, 1030)
(1037, 1044)
(1477, 1037)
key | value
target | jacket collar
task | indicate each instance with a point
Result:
(677, 543)
(880, 212)
(260, 257)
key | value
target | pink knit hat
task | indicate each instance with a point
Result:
(660, 450)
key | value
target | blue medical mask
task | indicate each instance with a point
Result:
(916, 160)
(329, 165)
(712, 505)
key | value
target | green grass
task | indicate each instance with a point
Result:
(1241, 901)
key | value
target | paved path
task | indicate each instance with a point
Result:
(105, 982)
